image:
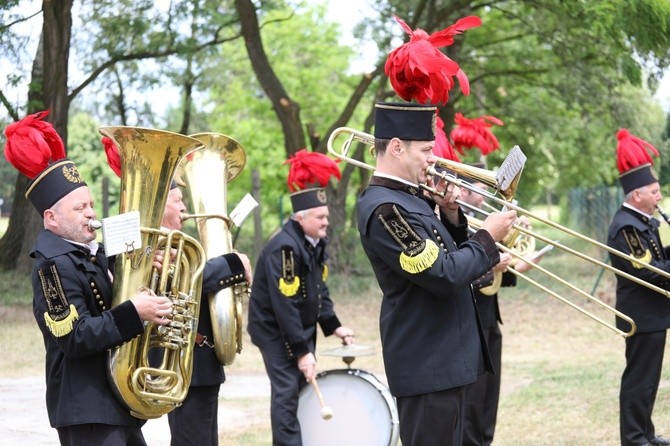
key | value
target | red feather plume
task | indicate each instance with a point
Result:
(310, 169)
(443, 147)
(32, 144)
(632, 151)
(113, 157)
(476, 132)
(419, 71)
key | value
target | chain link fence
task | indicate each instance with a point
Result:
(590, 210)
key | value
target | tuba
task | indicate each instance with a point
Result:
(148, 160)
(205, 173)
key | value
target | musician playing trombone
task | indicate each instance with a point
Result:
(634, 231)
(431, 337)
(482, 396)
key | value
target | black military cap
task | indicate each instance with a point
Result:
(638, 177)
(634, 161)
(308, 176)
(56, 181)
(308, 198)
(405, 120)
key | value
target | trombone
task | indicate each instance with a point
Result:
(506, 187)
(476, 223)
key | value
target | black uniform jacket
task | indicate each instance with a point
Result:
(220, 272)
(430, 330)
(289, 293)
(635, 234)
(72, 296)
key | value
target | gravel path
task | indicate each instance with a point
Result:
(24, 421)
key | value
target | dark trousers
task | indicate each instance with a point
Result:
(432, 419)
(481, 397)
(285, 382)
(639, 384)
(100, 435)
(195, 421)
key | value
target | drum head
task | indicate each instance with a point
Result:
(364, 412)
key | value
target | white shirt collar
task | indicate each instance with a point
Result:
(393, 177)
(92, 246)
(312, 241)
(638, 211)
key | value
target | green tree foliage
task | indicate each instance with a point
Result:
(564, 104)
(304, 51)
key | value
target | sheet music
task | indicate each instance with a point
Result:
(121, 233)
(243, 209)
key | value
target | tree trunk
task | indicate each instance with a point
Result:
(287, 111)
(46, 92)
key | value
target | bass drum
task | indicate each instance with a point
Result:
(364, 411)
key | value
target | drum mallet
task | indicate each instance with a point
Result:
(326, 412)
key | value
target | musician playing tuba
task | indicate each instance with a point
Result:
(72, 294)
(195, 421)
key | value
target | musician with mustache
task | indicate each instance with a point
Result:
(72, 295)
(634, 231)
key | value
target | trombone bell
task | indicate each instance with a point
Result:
(504, 181)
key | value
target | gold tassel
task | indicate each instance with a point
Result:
(289, 289)
(62, 327)
(422, 261)
(324, 274)
(645, 259)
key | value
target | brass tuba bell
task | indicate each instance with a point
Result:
(205, 173)
(149, 158)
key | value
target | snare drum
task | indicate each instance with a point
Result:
(364, 411)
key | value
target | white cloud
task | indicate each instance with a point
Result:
(348, 13)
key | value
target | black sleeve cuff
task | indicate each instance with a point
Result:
(329, 325)
(234, 263)
(484, 238)
(127, 320)
(483, 281)
(295, 351)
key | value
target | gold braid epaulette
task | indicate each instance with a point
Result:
(416, 254)
(636, 248)
(289, 289)
(60, 315)
(421, 261)
(63, 326)
(289, 282)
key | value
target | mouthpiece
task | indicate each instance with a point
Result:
(94, 224)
